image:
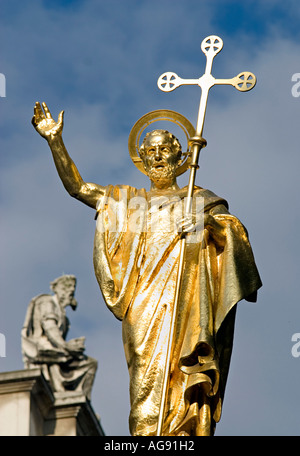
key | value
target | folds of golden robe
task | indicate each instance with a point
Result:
(136, 255)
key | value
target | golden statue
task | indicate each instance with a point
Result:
(172, 263)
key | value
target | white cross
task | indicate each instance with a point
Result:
(211, 46)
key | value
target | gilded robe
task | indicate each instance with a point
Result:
(136, 265)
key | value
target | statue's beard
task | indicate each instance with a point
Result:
(162, 177)
(68, 301)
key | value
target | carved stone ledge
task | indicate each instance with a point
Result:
(28, 407)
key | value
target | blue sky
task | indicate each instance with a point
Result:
(99, 61)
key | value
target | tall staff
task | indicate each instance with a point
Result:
(167, 82)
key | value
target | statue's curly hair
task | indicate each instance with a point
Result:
(67, 278)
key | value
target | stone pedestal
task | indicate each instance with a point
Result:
(28, 407)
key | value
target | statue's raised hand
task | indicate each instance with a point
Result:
(44, 123)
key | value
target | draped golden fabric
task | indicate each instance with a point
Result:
(137, 270)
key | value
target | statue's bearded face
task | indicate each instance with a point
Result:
(160, 159)
(65, 293)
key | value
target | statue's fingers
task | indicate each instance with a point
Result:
(61, 117)
(47, 112)
(38, 112)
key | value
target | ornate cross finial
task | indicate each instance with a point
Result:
(211, 46)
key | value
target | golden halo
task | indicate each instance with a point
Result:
(148, 119)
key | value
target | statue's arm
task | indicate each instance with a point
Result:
(214, 226)
(44, 124)
(85, 192)
(53, 334)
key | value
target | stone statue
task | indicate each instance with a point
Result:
(136, 255)
(44, 344)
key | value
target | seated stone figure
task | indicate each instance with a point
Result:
(64, 364)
